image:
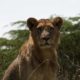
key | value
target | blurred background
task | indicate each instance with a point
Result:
(14, 32)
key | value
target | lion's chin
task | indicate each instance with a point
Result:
(45, 47)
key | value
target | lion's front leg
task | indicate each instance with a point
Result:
(12, 72)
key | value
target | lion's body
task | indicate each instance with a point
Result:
(35, 62)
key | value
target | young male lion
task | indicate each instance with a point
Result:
(37, 59)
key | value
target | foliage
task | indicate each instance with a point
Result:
(20, 23)
(75, 18)
(67, 26)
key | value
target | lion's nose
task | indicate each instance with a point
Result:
(45, 35)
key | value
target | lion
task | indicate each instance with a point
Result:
(37, 59)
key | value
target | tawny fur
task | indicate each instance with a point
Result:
(33, 62)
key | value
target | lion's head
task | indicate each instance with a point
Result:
(45, 32)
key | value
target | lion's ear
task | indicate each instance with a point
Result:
(31, 23)
(58, 22)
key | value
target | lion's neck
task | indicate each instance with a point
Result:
(43, 54)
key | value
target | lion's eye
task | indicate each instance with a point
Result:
(50, 29)
(40, 29)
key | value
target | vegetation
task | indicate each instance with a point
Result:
(69, 49)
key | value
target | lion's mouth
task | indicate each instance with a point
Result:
(46, 44)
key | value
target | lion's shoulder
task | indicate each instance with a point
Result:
(26, 47)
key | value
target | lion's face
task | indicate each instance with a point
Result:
(44, 32)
